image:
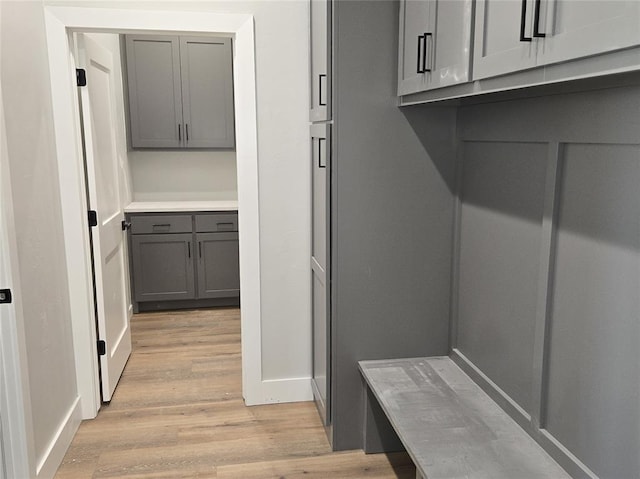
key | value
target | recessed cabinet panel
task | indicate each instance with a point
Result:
(500, 233)
(163, 267)
(218, 269)
(207, 92)
(153, 68)
(594, 360)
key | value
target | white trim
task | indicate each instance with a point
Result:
(52, 458)
(74, 209)
(287, 390)
(60, 21)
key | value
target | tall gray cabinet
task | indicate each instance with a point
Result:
(388, 213)
(320, 143)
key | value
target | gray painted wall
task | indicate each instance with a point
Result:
(391, 215)
(550, 184)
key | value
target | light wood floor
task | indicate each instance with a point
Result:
(178, 413)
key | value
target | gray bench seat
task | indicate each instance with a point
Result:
(449, 426)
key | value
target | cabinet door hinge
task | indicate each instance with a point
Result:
(5, 296)
(102, 348)
(93, 218)
(81, 77)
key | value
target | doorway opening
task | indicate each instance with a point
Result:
(61, 23)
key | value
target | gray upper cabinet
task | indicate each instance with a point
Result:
(155, 99)
(435, 39)
(512, 36)
(180, 92)
(320, 59)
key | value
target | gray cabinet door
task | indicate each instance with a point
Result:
(207, 92)
(504, 40)
(417, 27)
(320, 274)
(163, 267)
(155, 105)
(218, 266)
(320, 58)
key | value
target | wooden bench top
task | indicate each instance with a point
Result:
(450, 427)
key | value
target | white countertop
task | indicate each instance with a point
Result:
(174, 206)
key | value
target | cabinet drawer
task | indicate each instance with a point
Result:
(160, 224)
(217, 222)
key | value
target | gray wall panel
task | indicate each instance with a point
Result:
(500, 232)
(391, 213)
(594, 361)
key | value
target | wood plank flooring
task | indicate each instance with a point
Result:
(178, 413)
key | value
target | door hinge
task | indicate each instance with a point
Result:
(93, 218)
(5, 296)
(102, 348)
(81, 77)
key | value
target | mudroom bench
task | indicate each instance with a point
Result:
(447, 424)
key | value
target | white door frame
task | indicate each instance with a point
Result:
(61, 22)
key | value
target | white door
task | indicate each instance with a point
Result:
(98, 119)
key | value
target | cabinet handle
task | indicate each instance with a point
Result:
(186, 131)
(536, 21)
(199, 249)
(189, 249)
(179, 133)
(523, 20)
(420, 37)
(321, 164)
(424, 53)
(320, 77)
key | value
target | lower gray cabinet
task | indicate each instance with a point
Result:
(184, 259)
(218, 274)
(162, 267)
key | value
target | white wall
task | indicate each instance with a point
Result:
(40, 242)
(183, 175)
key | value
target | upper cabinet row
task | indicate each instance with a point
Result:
(437, 48)
(180, 91)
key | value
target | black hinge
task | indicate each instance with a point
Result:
(5, 296)
(93, 218)
(102, 348)
(81, 77)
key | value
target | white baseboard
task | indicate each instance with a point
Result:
(285, 390)
(49, 463)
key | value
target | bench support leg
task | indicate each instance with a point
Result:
(378, 433)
